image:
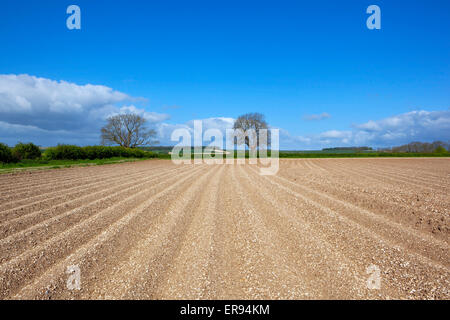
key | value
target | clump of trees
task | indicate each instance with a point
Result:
(440, 149)
(26, 151)
(5, 154)
(422, 147)
(127, 130)
(21, 151)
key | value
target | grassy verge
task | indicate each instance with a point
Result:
(57, 164)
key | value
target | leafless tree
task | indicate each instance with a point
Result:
(127, 130)
(251, 122)
(421, 147)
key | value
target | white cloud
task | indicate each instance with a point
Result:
(42, 110)
(27, 95)
(165, 129)
(395, 130)
(425, 126)
(317, 117)
(13, 133)
(220, 123)
(151, 117)
(335, 134)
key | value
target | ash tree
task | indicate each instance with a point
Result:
(128, 130)
(251, 122)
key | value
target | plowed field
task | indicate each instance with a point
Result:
(319, 229)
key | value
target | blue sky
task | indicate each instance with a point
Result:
(182, 60)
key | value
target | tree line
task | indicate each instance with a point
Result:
(421, 147)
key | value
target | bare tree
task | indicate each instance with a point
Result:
(421, 147)
(127, 130)
(251, 122)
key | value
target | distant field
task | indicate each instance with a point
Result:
(343, 154)
(163, 153)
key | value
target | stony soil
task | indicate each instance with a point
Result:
(155, 230)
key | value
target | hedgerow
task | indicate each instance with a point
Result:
(5, 154)
(71, 152)
(26, 151)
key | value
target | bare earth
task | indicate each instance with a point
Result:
(154, 230)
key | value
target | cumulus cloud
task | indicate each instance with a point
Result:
(317, 117)
(291, 142)
(420, 125)
(12, 133)
(165, 129)
(151, 117)
(412, 126)
(42, 110)
(48, 112)
(391, 131)
(220, 123)
(335, 134)
(37, 101)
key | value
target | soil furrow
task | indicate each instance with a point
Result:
(107, 246)
(37, 195)
(394, 260)
(39, 232)
(36, 261)
(318, 229)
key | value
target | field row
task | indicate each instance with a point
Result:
(319, 229)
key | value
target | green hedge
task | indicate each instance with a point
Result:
(5, 154)
(71, 152)
(26, 151)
